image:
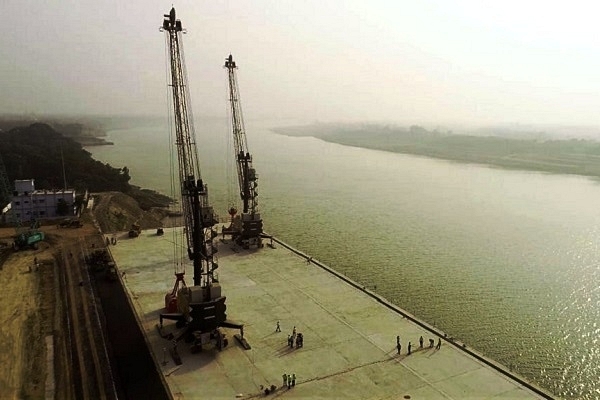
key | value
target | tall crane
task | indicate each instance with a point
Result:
(200, 308)
(248, 228)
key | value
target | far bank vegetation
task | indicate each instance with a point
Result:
(534, 151)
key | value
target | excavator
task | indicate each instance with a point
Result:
(198, 310)
(27, 237)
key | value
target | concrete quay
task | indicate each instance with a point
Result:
(349, 334)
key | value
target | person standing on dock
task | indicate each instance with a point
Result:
(439, 345)
(284, 376)
(431, 343)
(278, 329)
(421, 342)
(289, 381)
(293, 380)
(399, 347)
(409, 347)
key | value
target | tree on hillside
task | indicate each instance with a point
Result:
(38, 152)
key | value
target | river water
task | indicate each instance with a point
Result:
(506, 261)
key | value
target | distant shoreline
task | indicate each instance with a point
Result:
(85, 131)
(92, 141)
(571, 157)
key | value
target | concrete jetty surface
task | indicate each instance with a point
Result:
(349, 335)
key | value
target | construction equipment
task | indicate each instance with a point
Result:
(70, 223)
(135, 231)
(199, 309)
(246, 229)
(27, 237)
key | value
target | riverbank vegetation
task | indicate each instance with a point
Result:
(567, 156)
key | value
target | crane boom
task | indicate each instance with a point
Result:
(197, 212)
(200, 308)
(251, 223)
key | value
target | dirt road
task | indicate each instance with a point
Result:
(26, 318)
(55, 341)
(46, 308)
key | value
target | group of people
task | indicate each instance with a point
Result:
(296, 338)
(421, 340)
(289, 380)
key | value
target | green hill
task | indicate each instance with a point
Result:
(38, 152)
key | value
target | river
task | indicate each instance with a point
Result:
(506, 261)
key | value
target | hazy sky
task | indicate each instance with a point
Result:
(425, 61)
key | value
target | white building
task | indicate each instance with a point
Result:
(28, 203)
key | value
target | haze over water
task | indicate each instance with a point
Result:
(506, 261)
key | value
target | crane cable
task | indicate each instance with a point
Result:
(229, 159)
(177, 236)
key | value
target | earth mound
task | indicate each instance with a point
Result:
(117, 212)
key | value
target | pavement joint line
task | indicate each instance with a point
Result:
(344, 371)
(532, 387)
(401, 358)
(320, 378)
(364, 337)
(431, 385)
(328, 311)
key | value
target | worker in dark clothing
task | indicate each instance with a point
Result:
(421, 342)
(439, 345)
(409, 347)
(399, 347)
(431, 343)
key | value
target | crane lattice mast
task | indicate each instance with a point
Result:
(251, 224)
(198, 214)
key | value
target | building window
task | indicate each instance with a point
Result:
(26, 202)
(42, 213)
(42, 200)
(17, 203)
(34, 201)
